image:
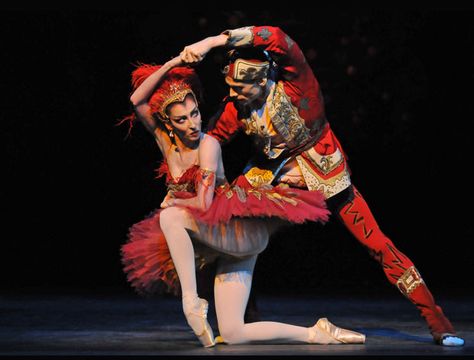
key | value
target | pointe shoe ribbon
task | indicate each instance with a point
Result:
(331, 334)
(204, 331)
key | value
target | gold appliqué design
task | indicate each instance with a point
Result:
(278, 199)
(177, 92)
(409, 281)
(256, 193)
(325, 163)
(258, 177)
(286, 119)
(240, 193)
(206, 177)
(329, 187)
(188, 187)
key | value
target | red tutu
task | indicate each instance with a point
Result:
(147, 260)
(238, 223)
(240, 199)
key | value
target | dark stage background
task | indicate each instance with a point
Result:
(398, 91)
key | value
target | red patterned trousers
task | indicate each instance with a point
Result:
(400, 271)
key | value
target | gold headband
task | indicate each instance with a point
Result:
(177, 92)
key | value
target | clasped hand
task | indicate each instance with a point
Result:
(195, 53)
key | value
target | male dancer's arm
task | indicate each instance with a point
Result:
(300, 82)
(225, 124)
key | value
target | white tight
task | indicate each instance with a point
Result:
(231, 292)
(231, 287)
(174, 222)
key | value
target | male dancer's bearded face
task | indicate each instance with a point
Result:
(244, 92)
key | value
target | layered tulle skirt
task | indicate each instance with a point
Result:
(238, 224)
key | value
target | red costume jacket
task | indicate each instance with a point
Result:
(293, 114)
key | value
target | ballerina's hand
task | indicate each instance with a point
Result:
(190, 58)
(195, 53)
(167, 201)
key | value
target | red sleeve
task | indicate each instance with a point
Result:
(286, 53)
(226, 123)
(295, 74)
(299, 81)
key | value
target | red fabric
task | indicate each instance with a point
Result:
(240, 199)
(298, 81)
(297, 76)
(433, 314)
(358, 218)
(228, 124)
(147, 260)
(146, 257)
(189, 176)
(179, 76)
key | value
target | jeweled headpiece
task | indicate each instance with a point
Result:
(175, 92)
(174, 87)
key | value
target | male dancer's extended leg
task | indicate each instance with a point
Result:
(355, 214)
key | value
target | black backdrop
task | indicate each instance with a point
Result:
(398, 90)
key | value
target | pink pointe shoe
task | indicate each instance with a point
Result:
(324, 332)
(197, 319)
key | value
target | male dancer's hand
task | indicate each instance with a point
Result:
(195, 53)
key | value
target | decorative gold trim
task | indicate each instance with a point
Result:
(206, 176)
(258, 177)
(241, 195)
(286, 118)
(181, 187)
(176, 93)
(409, 281)
(325, 163)
(329, 187)
(255, 193)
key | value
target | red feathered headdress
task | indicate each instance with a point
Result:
(174, 87)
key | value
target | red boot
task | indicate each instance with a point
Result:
(414, 288)
(398, 268)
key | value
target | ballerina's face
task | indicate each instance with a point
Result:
(185, 119)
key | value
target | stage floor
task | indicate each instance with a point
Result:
(127, 325)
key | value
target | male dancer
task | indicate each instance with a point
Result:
(275, 97)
